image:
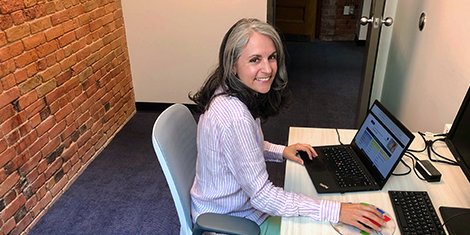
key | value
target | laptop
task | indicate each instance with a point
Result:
(377, 148)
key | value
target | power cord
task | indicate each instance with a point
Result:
(339, 137)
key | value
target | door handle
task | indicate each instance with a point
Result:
(387, 22)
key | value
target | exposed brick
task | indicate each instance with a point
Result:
(76, 11)
(46, 87)
(30, 164)
(70, 25)
(45, 126)
(27, 99)
(10, 6)
(9, 182)
(53, 168)
(34, 41)
(41, 204)
(29, 84)
(59, 185)
(46, 48)
(68, 62)
(5, 21)
(54, 32)
(8, 226)
(8, 82)
(11, 51)
(18, 17)
(6, 156)
(51, 72)
(8, 96)
(35, 108)
(40, 24)
(16, 162)
(26, 58)
(59, 17)
(25, 142)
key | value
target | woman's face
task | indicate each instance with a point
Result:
(257, 65)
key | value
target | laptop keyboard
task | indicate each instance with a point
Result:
(348, 172)
(415, 213)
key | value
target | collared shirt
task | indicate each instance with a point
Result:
(231, 176)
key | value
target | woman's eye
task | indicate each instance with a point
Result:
(272, 57)
(254, 60)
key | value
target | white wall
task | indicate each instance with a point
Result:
(428, 72)
(173, 44)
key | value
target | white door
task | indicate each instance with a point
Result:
(427, 72)
(380, 26)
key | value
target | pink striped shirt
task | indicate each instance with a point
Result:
(231, 176)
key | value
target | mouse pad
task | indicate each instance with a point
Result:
(388, 229)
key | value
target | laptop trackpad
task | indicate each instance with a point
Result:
(316, 164)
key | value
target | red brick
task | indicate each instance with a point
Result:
(13, 122)
(70, 25)
(8, 226)
(40, 24)
(42, 204)
(11, 51)
(8, 184)
(39, 182)
(87, 156)
(53, 168)
(5, 21)
(39, 144)
(31, 202)
(27, 99)
(70, 151)
(8, 82)
(76, 11)
(26, 58)
(13, 137)
(6, 156)
(27, 219)
(18, 17)
(57, 129)
(59, 185)
(13, 207)
(26, 141)
(3, 147)
(55, 94)
(25, 128)
(82, 31)
(35, 107)
(34, 40)
(45, 126)
(54, 32)
(8, 96)
(59, 17)
(64, 77)
(47, 48)
(51, 146)
(30, 164)
(10, 6)
(51, 72)
(78, 45)
(67, 63)
(16, 162)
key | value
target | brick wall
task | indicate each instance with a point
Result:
(334, 26)
(65, 89)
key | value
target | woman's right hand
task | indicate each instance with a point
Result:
(352, 213)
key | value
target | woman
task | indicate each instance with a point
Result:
(247, 87)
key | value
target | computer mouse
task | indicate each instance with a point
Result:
(371, 220)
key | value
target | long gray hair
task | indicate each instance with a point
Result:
(235, 40)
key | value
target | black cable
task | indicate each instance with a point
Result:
(448, 161)
(339, 137)
(425, 146)
(402, 174)
(414, 159)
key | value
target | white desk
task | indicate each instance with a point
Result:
(452, 190)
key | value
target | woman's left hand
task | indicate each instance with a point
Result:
(290, 152)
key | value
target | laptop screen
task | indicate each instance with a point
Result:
(382, 141)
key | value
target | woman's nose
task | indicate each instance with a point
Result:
(266, 66)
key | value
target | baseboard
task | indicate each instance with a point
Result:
(159, 107)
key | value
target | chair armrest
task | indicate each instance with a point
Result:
(226, 224)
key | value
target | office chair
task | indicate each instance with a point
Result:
(174, 140)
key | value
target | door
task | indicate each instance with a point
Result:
(375, 36)
(296, 17)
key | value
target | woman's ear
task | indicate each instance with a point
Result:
(234, 70)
